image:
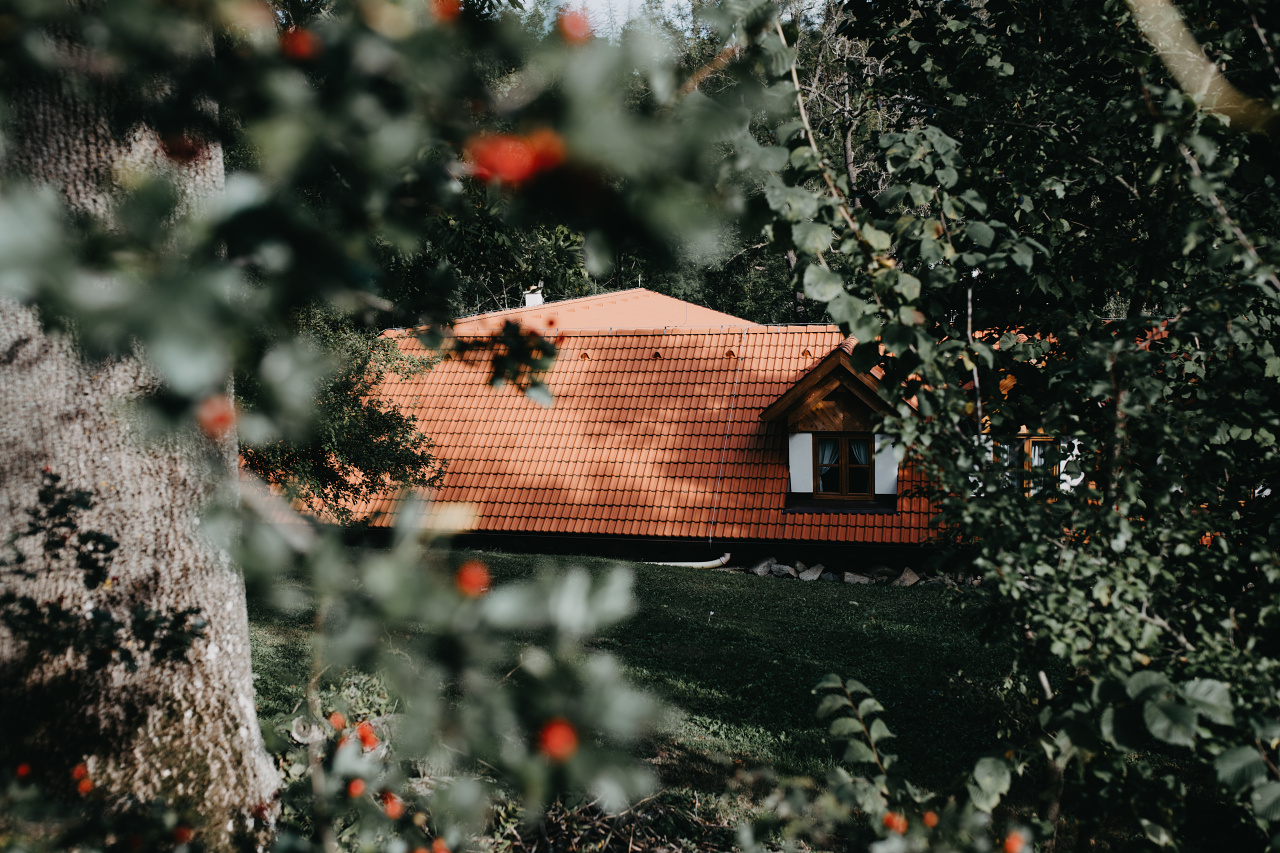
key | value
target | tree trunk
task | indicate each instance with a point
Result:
(184, 731)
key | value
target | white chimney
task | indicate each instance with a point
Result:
(533, 296)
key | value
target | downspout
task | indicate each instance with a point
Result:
(705, 564)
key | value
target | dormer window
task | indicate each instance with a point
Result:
(844, 466)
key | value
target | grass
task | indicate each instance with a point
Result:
(736, 657)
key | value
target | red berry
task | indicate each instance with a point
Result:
(930, 819)
(216, 416)
(80, 771)
(895, 822)
(300, 44)
(445, 10)
(548, 151)
(472, 579)
(392, 805)
(183, 834)
(23, 771)
(575, 28)
(355, 788)
(500, 157)
(438, 846)
(85, 785)
(1014, 842)
(338, 721)
(368, 739)
(558, 740)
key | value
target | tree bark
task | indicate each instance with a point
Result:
(183, 731)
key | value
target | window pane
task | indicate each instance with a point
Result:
(859, 451)
(829, 480)
(859, 481)
(828, 452)
(1037, 453)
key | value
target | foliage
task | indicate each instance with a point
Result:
(356, 132)
(355, 445)
(1067, 245)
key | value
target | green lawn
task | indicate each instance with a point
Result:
(736, 656)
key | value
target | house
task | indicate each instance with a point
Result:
(675, 429)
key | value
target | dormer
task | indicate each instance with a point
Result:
(835, 459)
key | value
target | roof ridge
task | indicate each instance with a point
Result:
(544, 305)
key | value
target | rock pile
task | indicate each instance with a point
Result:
(770, 567)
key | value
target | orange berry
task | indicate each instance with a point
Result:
(895, 822)
(23, 771)
(575, 27)
(216, 416)
(364, 731)
(445, 11)
(1014, 842)
(472, 579)
(548, 152)
(300, 44)
(930, 819)
(500, 157)
(392, 805)
(355, 788)
(183, 834)
(85, 785)
(438, 846)
(338, 721)
(558, 740)
(80, 771)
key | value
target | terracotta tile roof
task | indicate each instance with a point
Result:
(637, 445)
(636, 308)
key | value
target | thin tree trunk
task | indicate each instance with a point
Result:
(184, 731)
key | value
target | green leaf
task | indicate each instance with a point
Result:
(811, 237)
(1211, 698)
(1147, 683)
(908, 285)
(1240, 768)
(845, 728)
(829, 681)
(869, 706)
(981, 233)
(858, 752)
(1266, 801)
(854, 687)
(831, 703)
(992, 775)
(1171, 722)
(947, 176)
(876, 239)
(879, 731)
(822, 285)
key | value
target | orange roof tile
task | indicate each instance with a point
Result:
(636, 446)
(634, 308)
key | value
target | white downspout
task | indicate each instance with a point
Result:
(706, 564)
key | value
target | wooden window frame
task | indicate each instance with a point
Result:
(1026, 459)
(842, 439)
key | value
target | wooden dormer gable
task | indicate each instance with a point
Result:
(832, 397)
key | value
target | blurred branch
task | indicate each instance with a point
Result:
(1163, 27)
